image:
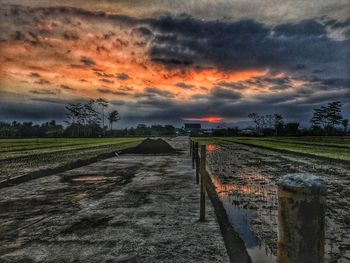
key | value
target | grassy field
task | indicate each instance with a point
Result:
(333, 148)
(22, 156)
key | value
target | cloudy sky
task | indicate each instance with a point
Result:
(168, 61)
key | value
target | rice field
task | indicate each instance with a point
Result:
(22, 156)
(332, 147)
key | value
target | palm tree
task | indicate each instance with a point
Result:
(113, 116)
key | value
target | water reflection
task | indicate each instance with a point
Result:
(212, 148)
(244, 202)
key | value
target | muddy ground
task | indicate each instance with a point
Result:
(248, 175)
(132, 208)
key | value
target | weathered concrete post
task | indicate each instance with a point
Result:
(301, 217)
(203, 183)
(196, 147)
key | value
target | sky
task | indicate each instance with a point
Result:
(170, 62)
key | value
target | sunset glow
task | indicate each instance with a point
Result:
(151, 66)
(206, 119)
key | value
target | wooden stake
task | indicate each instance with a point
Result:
(203, 183)
(196, 146)
(193, 155)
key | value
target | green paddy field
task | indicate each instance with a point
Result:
(23, 156)
(335, 148)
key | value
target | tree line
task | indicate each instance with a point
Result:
(89, 119)
(92, 118)
(96, 118)
(326, 120)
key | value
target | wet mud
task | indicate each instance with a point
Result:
(245, 178)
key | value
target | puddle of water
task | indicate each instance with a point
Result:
(212, 148)
(241, 218)
(240, 201)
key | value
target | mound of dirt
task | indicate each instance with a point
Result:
(151, 146)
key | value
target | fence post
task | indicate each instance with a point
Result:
(190, 142)
(301, 216)
(196, 146)
(193, 154)
(203, 183)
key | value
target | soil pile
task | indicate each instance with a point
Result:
(151, 146)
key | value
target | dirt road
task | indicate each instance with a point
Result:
(132, 208)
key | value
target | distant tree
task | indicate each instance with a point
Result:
(112, 117)
(328, 116)
(334, 114)
(103, 104)
(90, 115)
(269, 121)
(292, 128)
(278, 123)
(74, 112)
(345, 124)
(257, 119)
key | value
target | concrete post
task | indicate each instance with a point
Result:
(301, 217)
(203, 183)
(196, 147)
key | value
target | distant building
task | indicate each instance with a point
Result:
(193, 128)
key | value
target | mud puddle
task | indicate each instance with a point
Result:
(241, 210)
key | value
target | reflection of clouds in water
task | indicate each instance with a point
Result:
(212, 148)
(250, 201)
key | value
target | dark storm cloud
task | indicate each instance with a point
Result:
(183, 85)
(246, 44)
(66, 87)
(156, 91)
(42, 82)
(108, 91)
(87, 61)
(225, 94)
(71, 35)
(106, 81)
(143, 31)
(103, 74)
(275, 83)
(45, 91)
(337, 82)
(35, 75)
(233, 85)
(122, 76)
(306, 28)
(24, 111)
